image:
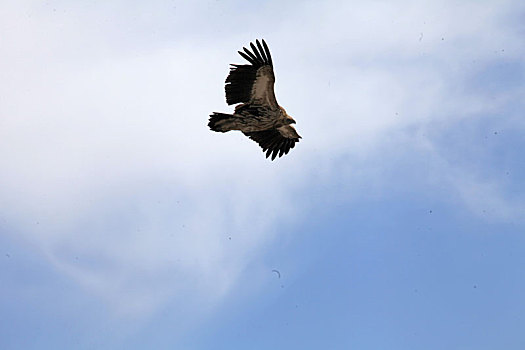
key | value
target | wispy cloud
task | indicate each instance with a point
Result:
(109, 166)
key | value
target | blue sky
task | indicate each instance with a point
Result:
(397, 222)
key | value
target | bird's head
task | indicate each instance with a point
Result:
(287, 119)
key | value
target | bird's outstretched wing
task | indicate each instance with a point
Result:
(252, 83)
(275, 141)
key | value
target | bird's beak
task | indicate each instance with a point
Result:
(292, 122)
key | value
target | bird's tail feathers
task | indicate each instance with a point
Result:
(222, 122)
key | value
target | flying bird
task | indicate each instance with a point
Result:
(257, 115)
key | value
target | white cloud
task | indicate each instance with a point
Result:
(104, 136)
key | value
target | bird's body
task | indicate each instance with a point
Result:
(258, 115)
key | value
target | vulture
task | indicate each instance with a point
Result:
(257, 114)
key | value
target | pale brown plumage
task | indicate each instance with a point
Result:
(258, 114)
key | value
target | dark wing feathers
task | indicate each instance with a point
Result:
(268, 56)
(247, 57)
(239, 83)
(257, 54)
(253, 59)
(242, 77)
(273, 142)
(263, 54)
